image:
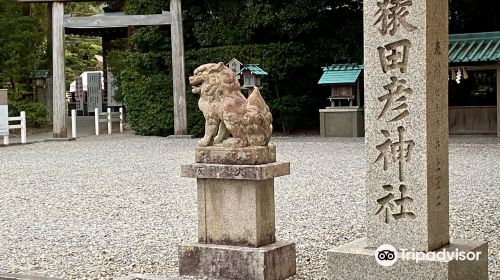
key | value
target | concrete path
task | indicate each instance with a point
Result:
(85, 128)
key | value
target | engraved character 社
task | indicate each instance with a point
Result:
(395, 56)
(392, 14)
(399, 151)
(397, 208)
(396, 94)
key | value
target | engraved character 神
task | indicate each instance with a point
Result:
(392, 14)
(397, 57)
(397, 151)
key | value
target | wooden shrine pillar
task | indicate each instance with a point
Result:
(105, 50)
(59, 87)
(178, 71)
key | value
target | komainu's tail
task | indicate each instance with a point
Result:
(259, 120)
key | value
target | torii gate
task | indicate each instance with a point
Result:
(173, 17)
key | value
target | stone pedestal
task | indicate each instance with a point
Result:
(356, 261)
(236, 216)
(342, 122)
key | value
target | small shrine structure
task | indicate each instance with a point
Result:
(252, 74)
(344, 118)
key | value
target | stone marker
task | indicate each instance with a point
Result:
(406, 111)
(236, 210)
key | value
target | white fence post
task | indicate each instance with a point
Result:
(73, 123)
(6, 140)
(96, 121)
(121, 119)
(23, 127)
(110, 122)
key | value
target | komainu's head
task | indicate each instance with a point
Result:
(213, 79)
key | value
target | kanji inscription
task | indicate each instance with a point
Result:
(395, 56)
(397, 208)
(396, 99)
(399, 151)
(392, 14)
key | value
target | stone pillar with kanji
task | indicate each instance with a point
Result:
(406, 151)
(235, 166)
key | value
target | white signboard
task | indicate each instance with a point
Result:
(4, 113)
(94, 91)
(112, 90)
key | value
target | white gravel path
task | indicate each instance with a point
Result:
(110, 206)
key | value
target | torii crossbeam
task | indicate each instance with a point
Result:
(173, 17)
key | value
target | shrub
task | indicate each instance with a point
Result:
(36, 113)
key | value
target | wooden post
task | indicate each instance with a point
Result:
(96, 121)
(121, 119)
(73, 124)
(23, 127)
(178, 71)
(59, 87)
(105, 93)
(110, 122)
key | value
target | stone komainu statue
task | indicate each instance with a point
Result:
(227, 112)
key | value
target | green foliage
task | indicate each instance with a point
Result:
(468, 16)
(36, 113)
(291, 40)
(20, 100)
(146, 91)
(83, 9)
(81, 51)
(22, 40)
(80, 56)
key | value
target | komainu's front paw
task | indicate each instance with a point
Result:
(219, 139)
(204, 142)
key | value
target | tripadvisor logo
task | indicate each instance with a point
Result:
(387, 255)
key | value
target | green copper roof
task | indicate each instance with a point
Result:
(475, 47)
(254, 69)
(340, 74)
(37, 74)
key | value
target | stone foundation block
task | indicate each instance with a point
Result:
(252, 155)
(355, 261)
(272, 262)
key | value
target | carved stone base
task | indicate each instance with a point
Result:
(272, 262)
(246, 156)
(236, 172)
(355, 261)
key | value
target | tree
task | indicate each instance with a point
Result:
(22, 40)
(468, 16)
(289, 39)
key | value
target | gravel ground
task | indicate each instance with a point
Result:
(111, 206)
